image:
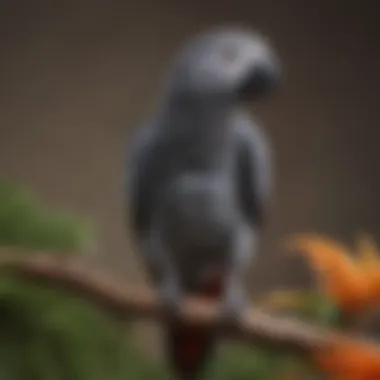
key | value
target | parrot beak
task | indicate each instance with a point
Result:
(261, 81)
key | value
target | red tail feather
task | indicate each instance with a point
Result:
(190, 347)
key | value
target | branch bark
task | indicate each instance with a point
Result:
(126, 301)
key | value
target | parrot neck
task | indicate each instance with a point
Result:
(197, 115)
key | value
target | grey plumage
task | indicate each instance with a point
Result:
(239, 180)
(199, 173)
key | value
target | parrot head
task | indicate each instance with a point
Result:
(230, 63)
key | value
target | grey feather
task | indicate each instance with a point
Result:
(199, 173)
(254, 170)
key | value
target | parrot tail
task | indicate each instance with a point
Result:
(189, 348)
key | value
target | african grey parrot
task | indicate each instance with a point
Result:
(198, 179)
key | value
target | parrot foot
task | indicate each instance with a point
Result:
(233, 307)
(171, 298)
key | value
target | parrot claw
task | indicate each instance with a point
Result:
(233, 307)
(171, 298)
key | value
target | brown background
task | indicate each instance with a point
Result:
(77, 76)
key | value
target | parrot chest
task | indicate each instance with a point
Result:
(198, 219)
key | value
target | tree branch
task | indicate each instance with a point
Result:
(125, 301)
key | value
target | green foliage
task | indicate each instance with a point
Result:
(317, 308)
(55, 336)
(27, 225)
(45, 334)
(238, 362)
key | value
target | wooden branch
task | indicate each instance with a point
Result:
(126, 301)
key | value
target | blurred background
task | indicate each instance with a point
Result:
(78, 76)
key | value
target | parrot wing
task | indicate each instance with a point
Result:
(141, 177)
(253, 171)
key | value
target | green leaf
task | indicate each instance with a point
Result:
(25, 224)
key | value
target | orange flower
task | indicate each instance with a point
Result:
(348, 281)
(353, 283)
(369, 263)
(349, 360)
